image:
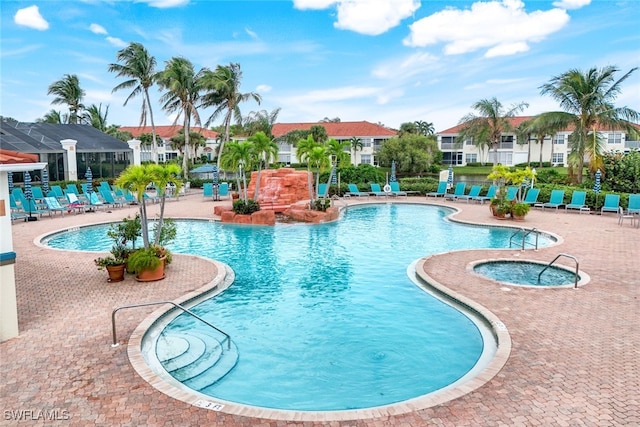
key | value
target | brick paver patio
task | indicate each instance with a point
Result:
(575, 357)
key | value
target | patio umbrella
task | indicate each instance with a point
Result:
(89, 176)
(28, 195)
(596, 186)
(334, 176)
(215, 183)
(450, 177)
(10, 180)
(45, 181)
(393, 171)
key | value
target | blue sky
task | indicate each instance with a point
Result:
(387, 61)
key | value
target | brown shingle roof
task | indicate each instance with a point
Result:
(167, 132)
(336, 129)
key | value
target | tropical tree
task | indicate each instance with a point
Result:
(304, 149)
(491, 122)
(587, 99)
(319, 133)
(68, 91)
(317, 160)
(54, 116)
(196, 139)
(182, 85)
(356, 144)
(425, 128)
(261, 121)
(95, 117)
(114, 131)
(222, 91)
(542, 126)
(408, 128)
(237, 155)
(139, 67)
(264, 149)
(412, 153)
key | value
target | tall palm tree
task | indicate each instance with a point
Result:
(541, 126)
(182, 86)
(587, 99)
(261, 121)
(489, 124)
(264, 149)
(139, 67)
(222, 88)
(304, 148)
(318, 160)
(95, 117)
(425, 128)
(237, 156)
(356, 144)
(68, 91)
(54, 116)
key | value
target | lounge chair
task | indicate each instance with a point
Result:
(322, 190)
(395, 189)
(441, 191)
(37, 193)
(72, 188)
(16, 211)
(634, 204)
(577, 202)
(354, 191)
(56, 191)
(109, 198)
(555, 201)
(457, 192)
(532, 196)
(491, 193)
(207, 190)
(377, 191)
(611, 203)
(223, 189)
(54, 206)
(622, 216)
(474, 192)
(75, 203)
(512, 192)
(30, 207)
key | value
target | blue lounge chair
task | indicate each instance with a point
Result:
(458, 191)
(354, 191)
(109, 198)
(75, 203)
(474, 192)
(323, 190)
(395, 189)
(512, 192)
(611, 203)
(555, 201)
(56, 191)
(441, 191)
(491, 193)
(377, 191)
(54, 206)
(207, 190)
(577, 202)
(30, 207)
(37, 193)
(634, 204)
(72, 188)
(532, 196)
(223, 189)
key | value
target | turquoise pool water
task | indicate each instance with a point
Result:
(326, 317)
(525, 273)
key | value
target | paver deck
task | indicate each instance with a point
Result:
(575, 356)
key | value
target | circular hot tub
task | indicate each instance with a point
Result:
(529, 273)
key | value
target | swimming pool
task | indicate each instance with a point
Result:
(526, 273)
(325, 317)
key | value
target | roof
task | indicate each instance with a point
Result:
(514, 121)
(167, 132)
(13, 157)
(46, 137)
(336, 129)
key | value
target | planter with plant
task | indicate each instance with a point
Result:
(114, 263)
(520, 210)
(153, 255)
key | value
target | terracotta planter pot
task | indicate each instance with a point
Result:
(116, 272)
(152, 275)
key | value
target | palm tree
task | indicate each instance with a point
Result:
(136, 64)
(317, 160)
(223, 93)
(304, 148)
(587, 98)
(182, 94)
(356, 144)
(425, 128)
(264, 149)
(95, 117)
(54, 116)
(491, 122)
(68, 91)
(541, 126)
(237, 156)
(261, 121)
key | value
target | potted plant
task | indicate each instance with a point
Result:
(114, 263)
(520, 210)
(136, 178)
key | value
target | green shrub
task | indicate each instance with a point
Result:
(245, 208)
(321, 204)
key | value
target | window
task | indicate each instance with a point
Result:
(468, 141)
(558, 139)
(471, 158)
(506, 142)
(365, 159)
(161, 158)
(504, 158)
(615, 138)
(558, 158)
(448, 142)
(449, 158)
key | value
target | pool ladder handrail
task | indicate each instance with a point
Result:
(184, 309)
(575, 286)
(525, 233)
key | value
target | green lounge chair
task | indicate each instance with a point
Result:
(611, 203)
(441, 191)
(491, 193)
(532, 196)
(555, 201)
(577, 202)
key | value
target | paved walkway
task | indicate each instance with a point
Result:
(575, 357)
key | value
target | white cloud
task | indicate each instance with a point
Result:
(504, 28)
(571, 4)
(251, 33)
(97, 29)
(402, 68)
(116, 41)
(164, 4)
(30, 17)
(263, 88)
(370, 17)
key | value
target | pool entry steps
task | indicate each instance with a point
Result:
(524, 232)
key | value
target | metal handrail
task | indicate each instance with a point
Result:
(575, 286)
(524, 236)
(113, 319)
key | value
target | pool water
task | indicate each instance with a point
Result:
(326, 317)
(525, 273)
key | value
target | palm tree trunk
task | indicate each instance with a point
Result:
(186, 143)
(541, 147)
(154, 153)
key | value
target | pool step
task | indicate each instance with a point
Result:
(200, 364)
